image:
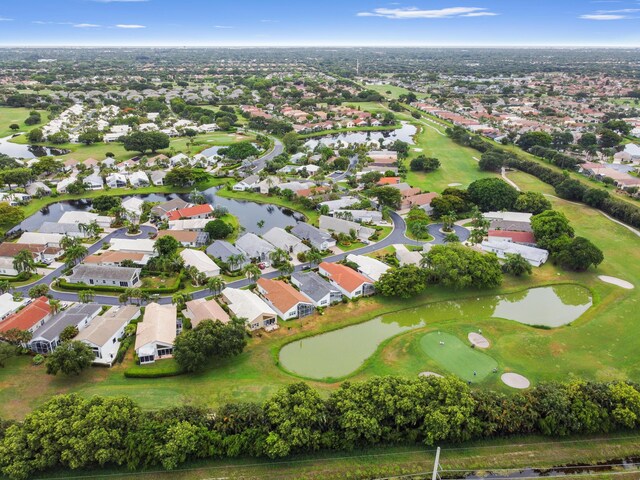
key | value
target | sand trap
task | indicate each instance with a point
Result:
(429, 374)
(417, 149)
(514, 380)
(478, 340)
(616, 281)
(454, 185)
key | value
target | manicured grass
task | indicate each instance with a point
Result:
(10, 115)
(395, 92)
(457, 357)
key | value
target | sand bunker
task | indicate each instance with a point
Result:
(478, 340)
(616, 281)
(417, 149)
(454, 184)
(429, 374)
(514, 380)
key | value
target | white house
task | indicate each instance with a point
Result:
(316, 238)
(47, 337)
(351, 283)
(288, 302)
(96, 274)
(94, 182)
(249, 183)
(156, 333)
(133, 206)
(86, 218)
(105, 331)
(321, 292)
(37, 238)
(138, 179)
(8, 305)
(116, 180)
(338, 225)
(502, 248)
(368, 266)
(280, 238)
(142, 245)
(157, 177)
(201, 261)
(255, 247)
(245, 304)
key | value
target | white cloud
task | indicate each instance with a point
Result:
(267, 20)
(5, 19)
(412, 12)
(602, 16)
(86, 25)
(119, 1)
(222, 26)
(41, 22)
(129, 26)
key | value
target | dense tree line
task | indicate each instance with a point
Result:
(73, 432)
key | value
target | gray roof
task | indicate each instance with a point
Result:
(55, 227)
(312, 285)
(254, 245)
(174, 204)
(72, 316)
(223, 250)
(106, 272)
(305, 231)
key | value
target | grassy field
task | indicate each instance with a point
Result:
(17, 115)
(391, 91)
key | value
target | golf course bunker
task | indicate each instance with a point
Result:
(478, 340)
(454, 185)
(515, 380)
(429, 374)
(616, 281)
(455, 356)
(336, 354)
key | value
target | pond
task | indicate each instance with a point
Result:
(340, 352)
(248, 213)
(16, 150)
(404, 133)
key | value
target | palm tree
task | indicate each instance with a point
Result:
(278, 256)
(451, 237)
(74, 254)
(123, 297)
(314, 257)
(178, 300)
(215, 285)
(286, 268)
(118, 213)
(235, 260)
(23, 262)
(55, 305)
(93, 229)
(252, 272)
(83, 227)
(5, 286)
(67, 242)
(86, 296)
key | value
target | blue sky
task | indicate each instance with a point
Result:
(320, 22)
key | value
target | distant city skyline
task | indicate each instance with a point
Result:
(332, 23)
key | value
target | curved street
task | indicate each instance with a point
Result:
(397, 236)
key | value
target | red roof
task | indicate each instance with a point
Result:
(389, 181)
(518, 237)
(344, 276)
(190, 212)
(282, 295)
(28, 316)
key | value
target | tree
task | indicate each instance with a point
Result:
(145, 141)
(17, 176)
(571, 189)
(215, 285)
(218, 229)
(33, 119)
(90, 136)
(58, 138)
(595, 197)
(39, 290)
(609, 138)
(587, 141)
(491, 194)
(491, 161)
(5, 286)
(74, 254)
(253, 272)
(579, 254)
(286, 268)
(405, 282)
(290, 141)
(86, 296)
(166, 246)
(104, 203)
(424, 164)
(10, 215)
(7, 351)
(459, 267)
(235, 260)
(532, 202)
(70, 358)
(69, 332)
(388, 197)
(23, 262)
(532, 139)
(444, 204)
(211, 338)
(180, 177)
(239, 151)
(516, 265)
(451, 237)
(314, 257)
(548, 227)
(35, 136)
(14, 127)
(278, 256)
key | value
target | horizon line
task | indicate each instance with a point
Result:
(515, 46)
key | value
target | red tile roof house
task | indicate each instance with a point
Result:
(524, 238)
(30, 318)
(351, 283)
(422, 200)
(284, 299)
(197, 211)
(389, 181)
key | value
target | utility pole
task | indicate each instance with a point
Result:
(436, 466)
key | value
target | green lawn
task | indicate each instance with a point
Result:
(457, 357)
(10, 115)
(395, 92)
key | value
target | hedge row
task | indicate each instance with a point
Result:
(74, 432)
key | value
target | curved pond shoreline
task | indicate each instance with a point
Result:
(339, 353)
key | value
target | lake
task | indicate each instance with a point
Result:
(248, 213)
(16, 150)
(339, 353)
(404, 133)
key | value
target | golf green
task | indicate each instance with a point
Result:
(457, 357)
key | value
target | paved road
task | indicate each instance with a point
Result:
(259, 163)
(438, 236)
(353, 161)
